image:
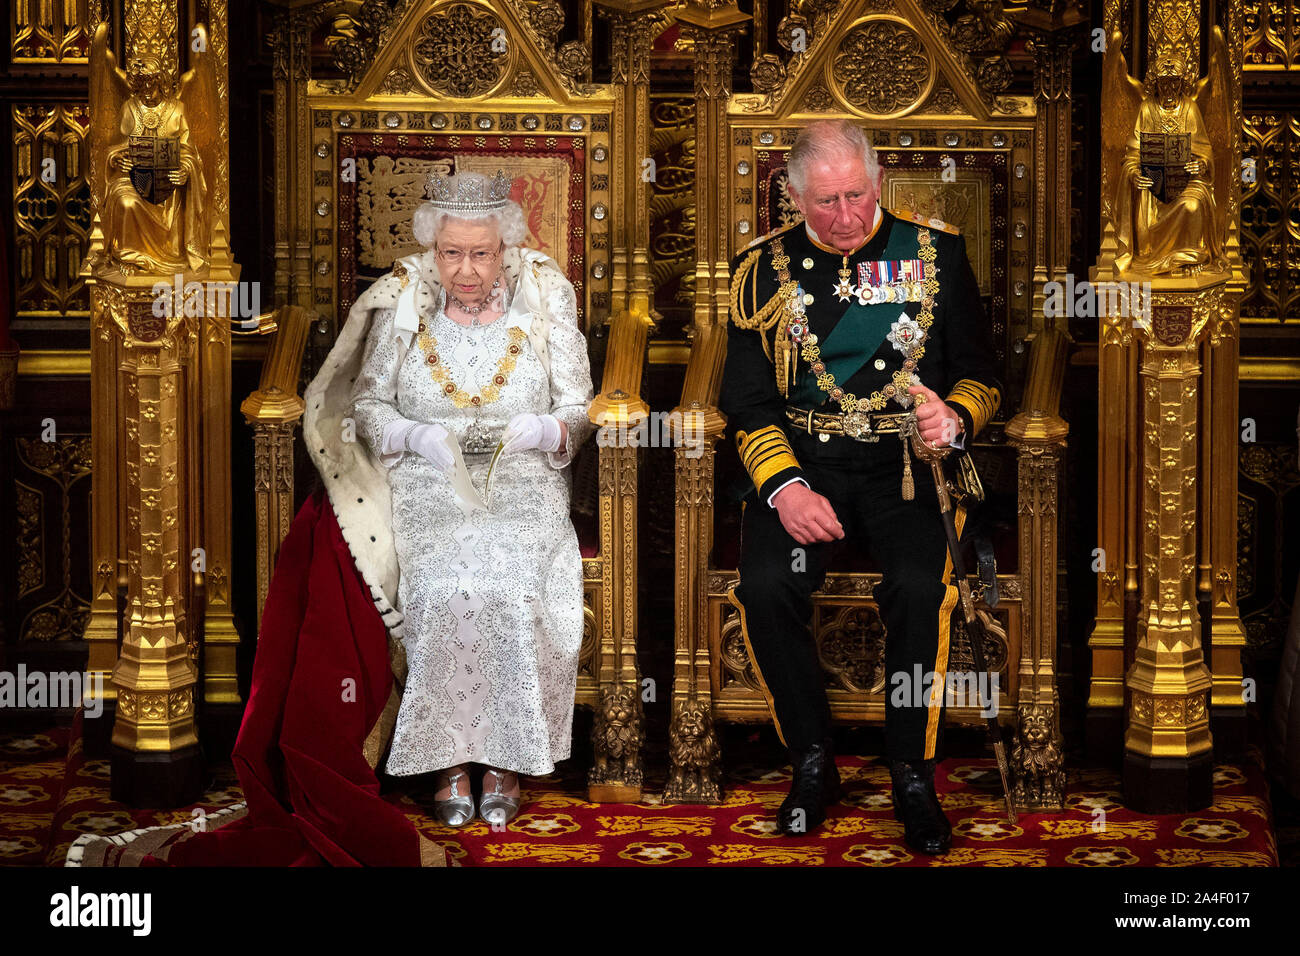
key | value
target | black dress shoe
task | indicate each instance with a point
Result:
(816, 784)
(925, 828)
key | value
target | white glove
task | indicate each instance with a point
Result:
(527, 430)
(426, 440)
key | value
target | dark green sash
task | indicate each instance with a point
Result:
(860, 330)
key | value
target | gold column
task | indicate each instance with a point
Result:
(156, 759)
(291, 71)
(105, 494)
(274, 411)
(694, 775)
(631, 35)
(1039, 435)
(715, 26)
(1168, 749)
(1220, 408)
(1114, 560)
(1106, 643)
(1038, 431)
(1053, 36)
(617, 771)
(213, 504)
(150, 28)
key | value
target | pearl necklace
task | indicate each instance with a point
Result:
(474, 310)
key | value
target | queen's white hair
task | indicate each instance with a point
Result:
(824, 139)
(428, 220)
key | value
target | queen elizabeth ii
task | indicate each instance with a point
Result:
(466, 350)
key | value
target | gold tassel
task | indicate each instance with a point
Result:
(909, 487)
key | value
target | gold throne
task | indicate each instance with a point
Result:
(356, 171)
(952, 146)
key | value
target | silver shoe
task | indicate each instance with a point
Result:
(457, 810)
(495, 807)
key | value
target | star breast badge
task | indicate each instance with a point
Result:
(905, 333)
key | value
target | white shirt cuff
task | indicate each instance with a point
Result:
(784, 484)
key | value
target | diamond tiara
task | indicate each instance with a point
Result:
(470, 195)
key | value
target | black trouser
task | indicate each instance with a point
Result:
(906, 540)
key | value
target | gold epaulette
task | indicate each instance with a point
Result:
(929, 223)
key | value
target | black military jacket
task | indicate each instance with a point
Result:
(958, 362)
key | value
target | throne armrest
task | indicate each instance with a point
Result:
(274, 411)
(276, 400)
(703, 382)
(1045, 381)
(619, 401)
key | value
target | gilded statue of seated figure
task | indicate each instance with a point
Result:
(1168, 201)
(151, 164)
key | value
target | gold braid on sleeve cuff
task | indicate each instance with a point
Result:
(979, 401)
(765, 453)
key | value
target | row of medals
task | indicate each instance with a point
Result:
(857, 424)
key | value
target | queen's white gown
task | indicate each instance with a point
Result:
(492, 599)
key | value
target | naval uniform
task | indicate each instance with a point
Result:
(821, 346)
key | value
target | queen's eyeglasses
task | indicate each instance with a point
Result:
(476, 257)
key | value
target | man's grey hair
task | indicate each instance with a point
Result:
(824, 139)
(429, 220)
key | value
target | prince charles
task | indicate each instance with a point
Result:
(847, 330)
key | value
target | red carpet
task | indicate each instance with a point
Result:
(49, 797)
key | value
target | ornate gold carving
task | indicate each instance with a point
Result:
(51, 219)
(45, 32)
(525, 84)
(1272, 138)
(547, 18)
(1036, 759)
(1272, 36)
(883, 68)
(616, 734)
(960, 657)
(694, 774)
(985, 29)
(151, 185)
(818, 99)
(62, 463)
(767, 75)
(398, 81)
(851, 646)
(1169, 670)
(1174, 28)
(1186, 233)
(453, 52)
(573, 60)
(150, 31)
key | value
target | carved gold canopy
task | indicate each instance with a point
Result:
(460, 85)
(951, 147)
